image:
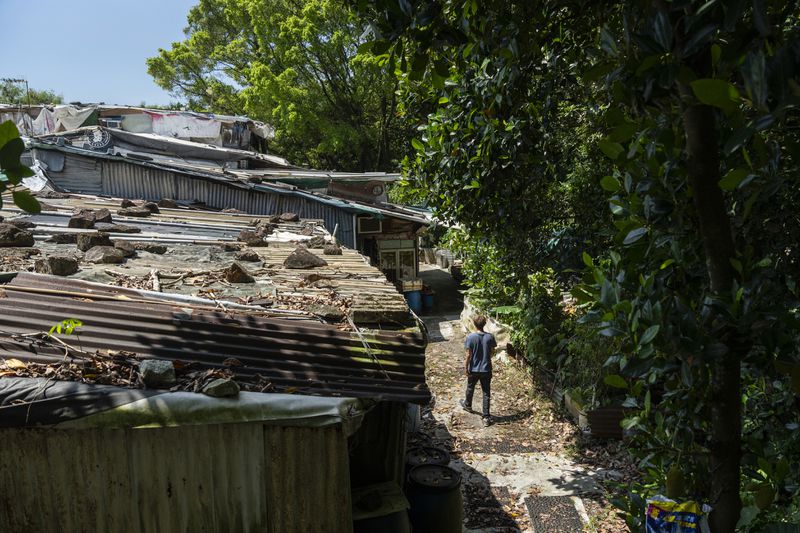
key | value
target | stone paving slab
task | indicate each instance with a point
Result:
(543, 474)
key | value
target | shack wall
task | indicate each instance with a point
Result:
(210, 478)
(86, 175)
(378, 448)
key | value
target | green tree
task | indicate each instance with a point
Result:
(296, 66)
(696, 105)
(14, 93)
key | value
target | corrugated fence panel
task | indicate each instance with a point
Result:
(206, 478)
(310, 505)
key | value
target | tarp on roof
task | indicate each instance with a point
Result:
(66, 404)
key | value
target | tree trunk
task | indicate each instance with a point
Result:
(725, 395)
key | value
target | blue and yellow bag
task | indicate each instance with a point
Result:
(668, 516)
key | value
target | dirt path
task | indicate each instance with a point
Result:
(530, 450)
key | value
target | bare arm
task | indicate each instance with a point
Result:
(467, 360)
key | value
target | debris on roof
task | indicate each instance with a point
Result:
(173, 298)
(204, 340)
(189, 251)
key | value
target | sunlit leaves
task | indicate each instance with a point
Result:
(302, 67)
(717, 93)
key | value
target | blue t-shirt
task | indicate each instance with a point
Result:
(481, 345)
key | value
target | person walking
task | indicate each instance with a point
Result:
(480, 347)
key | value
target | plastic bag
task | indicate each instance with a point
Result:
(668, 516)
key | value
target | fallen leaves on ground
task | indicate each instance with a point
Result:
(528, 422)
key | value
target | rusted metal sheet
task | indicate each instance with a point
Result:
(209, 478)
(301, 355)
(317, 502)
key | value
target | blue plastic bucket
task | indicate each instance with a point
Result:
(414, 300)
(427, 300)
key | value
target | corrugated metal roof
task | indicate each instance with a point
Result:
(237, 179)
(195, 240)
(294, 355)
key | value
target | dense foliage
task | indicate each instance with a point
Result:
(15, 93)
(690, 275)
(296, 66)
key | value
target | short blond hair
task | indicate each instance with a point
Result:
(479, 321)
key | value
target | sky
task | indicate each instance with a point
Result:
(90, 50)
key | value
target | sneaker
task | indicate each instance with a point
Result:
(464, 406)
(487, 421)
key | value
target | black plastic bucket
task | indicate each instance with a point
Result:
(434, 494)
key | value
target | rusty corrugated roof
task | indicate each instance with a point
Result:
(300, 355)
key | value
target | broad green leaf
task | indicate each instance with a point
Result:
(649, 334)
(736, 264)
(587, 260)
(747, 515)
(506, 310)
(610, 183)
(764, 263)
(634, 236)
(581, 294)
(441, 68)
(622, 133)
(608, 43)
(610, 149)
(417, 144)
(27, 202)
(737, 139)
(629, 423)
(662, 29)
(597, 72)
(15, 174)
(419, 64)
(613, 380)
(610, 332)
(699, 39)
(8, 131)
(648, 63)
(666, 263)
(716, 53)
(732, 179)
(11, 152)
(717, 93)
